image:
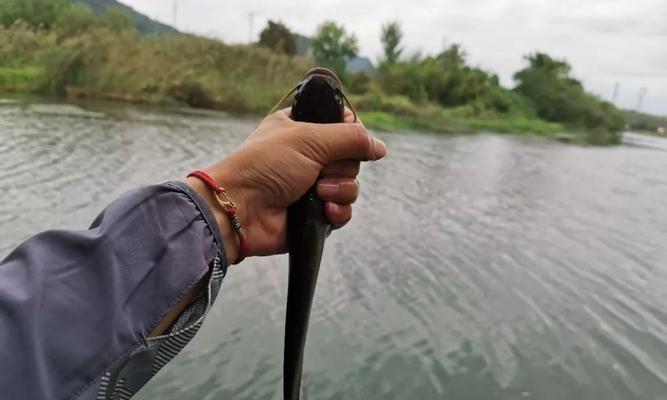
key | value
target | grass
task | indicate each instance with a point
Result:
(515, 125)
(392, 113)
(168, 69)
(395, 122)
(18, 79)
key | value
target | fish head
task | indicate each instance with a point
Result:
(319, 98)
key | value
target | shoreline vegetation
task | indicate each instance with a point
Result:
(67, 50)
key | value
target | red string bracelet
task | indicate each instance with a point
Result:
(228, 206)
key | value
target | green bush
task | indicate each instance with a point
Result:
(22, 44)
(377, 101)
(559, 97)
(447, 80)
(359, 83)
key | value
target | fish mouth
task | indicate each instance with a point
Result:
(326, 72)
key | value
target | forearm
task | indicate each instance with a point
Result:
(75, 306)
(229, 237)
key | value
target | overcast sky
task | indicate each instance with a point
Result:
(606, 41)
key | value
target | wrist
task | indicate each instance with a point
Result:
(229, 237)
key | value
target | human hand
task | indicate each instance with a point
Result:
(277, 164)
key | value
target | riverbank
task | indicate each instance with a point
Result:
(193, 71)
(652, 133)
(392, 113)
(431, 118)
(379, 120)
(393, 122)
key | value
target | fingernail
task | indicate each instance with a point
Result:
(379, 148)
(327, 189)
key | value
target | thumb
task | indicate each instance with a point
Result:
(343, 141)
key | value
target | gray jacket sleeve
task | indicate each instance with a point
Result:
(76, 307)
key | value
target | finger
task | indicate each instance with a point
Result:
(340, 191)
(338, 214)
(283, 114)
(333, 142)
(341, 169)
(349, 117)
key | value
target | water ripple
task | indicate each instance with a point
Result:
(477, 267)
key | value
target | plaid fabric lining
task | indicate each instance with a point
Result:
(129, 375)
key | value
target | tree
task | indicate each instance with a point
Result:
(75, 19)
(278, 37)
(391, 39)
(332, 47)
(116, 19)
(454, 56)
(559, 97)
(35, 12)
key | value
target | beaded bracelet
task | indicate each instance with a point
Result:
(228, 206)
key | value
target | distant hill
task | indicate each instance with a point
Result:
(303, 47)
(361, 64)
(143, 23)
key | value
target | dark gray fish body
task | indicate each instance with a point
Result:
(318, 99)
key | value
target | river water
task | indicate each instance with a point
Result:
(477, 266)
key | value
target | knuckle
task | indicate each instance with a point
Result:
(312, 145)
(360, 138)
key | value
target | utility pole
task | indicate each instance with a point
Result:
(174, 13)
(640, 100)
(617, 87)
(251, 20)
